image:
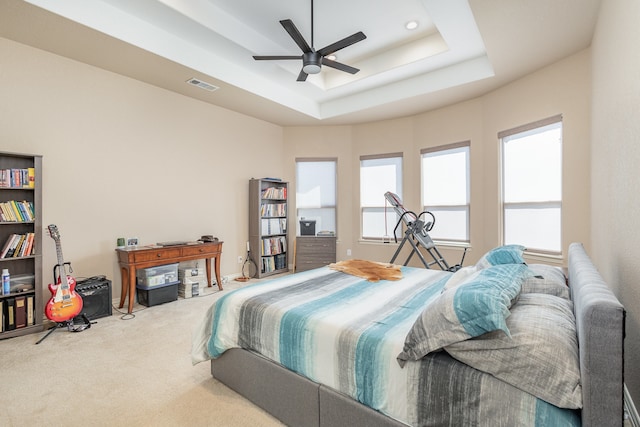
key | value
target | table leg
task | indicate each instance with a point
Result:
(218, 272)
(124, 278)
(132, 288)
(207, 264)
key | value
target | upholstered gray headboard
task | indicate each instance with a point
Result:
(600, 320)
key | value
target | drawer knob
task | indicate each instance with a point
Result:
(159, 255)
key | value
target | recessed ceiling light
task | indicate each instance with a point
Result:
(411, 25)
(331, 57)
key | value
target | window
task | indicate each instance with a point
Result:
(445, 190)
(532, 185)
(316, 193)
(379, 174)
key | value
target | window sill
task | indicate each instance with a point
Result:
(554, 259)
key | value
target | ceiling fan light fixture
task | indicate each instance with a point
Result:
(311, 62)
(311, 69)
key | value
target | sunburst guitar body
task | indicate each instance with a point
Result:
(65, 303)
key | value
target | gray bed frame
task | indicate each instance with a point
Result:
(297, 401)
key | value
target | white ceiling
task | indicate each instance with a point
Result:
(460, 50)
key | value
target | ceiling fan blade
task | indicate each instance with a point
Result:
(339, 66)
(302, 76)
(347, 41)
(295, 34)
(267, 58)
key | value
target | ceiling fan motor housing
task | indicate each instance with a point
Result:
(311, 62)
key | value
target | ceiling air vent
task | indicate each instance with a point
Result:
(203, 85)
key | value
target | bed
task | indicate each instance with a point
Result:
(326, 348)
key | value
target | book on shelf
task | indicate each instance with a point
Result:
(272, 226)
(29, 249)
(7, 245)
(20, 311)
(9, 314)
(273, 210)
(274, 263)
(31, 176)
(17, 178)
(18, 248)
(274, 193)
(17, 211)
(274, 245)
(31, 320)
(18, 245)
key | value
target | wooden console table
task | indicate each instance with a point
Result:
(131, 259)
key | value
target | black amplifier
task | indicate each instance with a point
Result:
(96, 298)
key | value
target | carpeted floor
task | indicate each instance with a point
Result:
(123, 371)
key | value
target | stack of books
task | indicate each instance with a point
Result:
(18, 245)
(17, 211)
(17, 178)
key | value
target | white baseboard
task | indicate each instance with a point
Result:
(630, 409)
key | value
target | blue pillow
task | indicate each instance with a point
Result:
(507, 254)
(466, 311)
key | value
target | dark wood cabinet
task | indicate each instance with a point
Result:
(314, 252)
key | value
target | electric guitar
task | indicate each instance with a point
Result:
(65, 303)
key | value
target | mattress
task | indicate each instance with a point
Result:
(350, 335)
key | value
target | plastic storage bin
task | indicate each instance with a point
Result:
(308, 227)
(157, 276)
(150, 296)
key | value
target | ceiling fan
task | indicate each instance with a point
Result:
(312, 59)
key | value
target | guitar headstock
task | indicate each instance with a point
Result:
(53, 232)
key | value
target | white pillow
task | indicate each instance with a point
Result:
(461, 276)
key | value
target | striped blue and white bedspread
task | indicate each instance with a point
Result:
(346, 332)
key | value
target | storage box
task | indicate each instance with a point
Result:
(191, 288)
(150, 296)
(157, 276)
(22, 283)
(308, 227)
(190, 273)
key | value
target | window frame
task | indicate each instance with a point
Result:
(553, 120)
(466, 207)
(333, 160)
(383, 207)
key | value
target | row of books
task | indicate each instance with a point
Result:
(17, 211)
(18, 178)
(273, 209)
(18, 245)
(275, 193)
(274, 245)
(273, 263)
(17, 312)
(272, 226)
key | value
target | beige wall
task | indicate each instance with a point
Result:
(123, 158)
(615, 180)
(562, 88)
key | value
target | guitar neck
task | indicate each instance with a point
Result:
(64, 281)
